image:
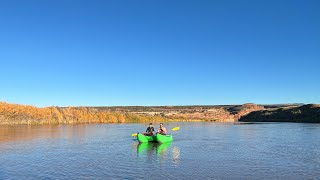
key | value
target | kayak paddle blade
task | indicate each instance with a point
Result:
(175, 129)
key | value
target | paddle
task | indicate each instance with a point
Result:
(173, 129)
(176, 128)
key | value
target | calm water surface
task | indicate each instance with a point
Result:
(199, 150)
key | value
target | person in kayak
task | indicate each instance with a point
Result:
(149, 131)
(162, 130)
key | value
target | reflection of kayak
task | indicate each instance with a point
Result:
(164, 138)
(142, 138)
(152, 147)
(145, 146)
(163, 147)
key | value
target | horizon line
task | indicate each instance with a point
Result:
(185, 105)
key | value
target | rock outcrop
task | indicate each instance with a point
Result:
(214, 114)
(307, 113)
(248, 108)
(231, 114)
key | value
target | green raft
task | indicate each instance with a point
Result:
(164, 138)
(142, 138)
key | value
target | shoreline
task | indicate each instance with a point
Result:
(15, 114)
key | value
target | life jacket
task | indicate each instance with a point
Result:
(150, 129)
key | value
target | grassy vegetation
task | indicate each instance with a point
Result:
(24, 114)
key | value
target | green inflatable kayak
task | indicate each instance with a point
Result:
(164, 138)
(142, 138)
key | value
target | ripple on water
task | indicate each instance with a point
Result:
(199, 151)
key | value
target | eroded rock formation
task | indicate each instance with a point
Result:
(309, 113)
(219, 114)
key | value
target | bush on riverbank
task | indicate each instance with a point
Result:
(24, 114)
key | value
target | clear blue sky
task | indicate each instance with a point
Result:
(168, 52)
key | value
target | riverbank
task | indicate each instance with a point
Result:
(14, 114)
(11, 114)
(309, 113)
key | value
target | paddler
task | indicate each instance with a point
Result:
(162, 130)
(149, 131)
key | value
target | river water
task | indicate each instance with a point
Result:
(199, 151)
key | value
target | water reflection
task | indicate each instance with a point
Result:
(176, 155)
(153, 148)
(27, 132)
(159, 151)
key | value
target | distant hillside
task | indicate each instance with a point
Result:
(229, 113)
(22, 114)
(306, 113)
(188, 108)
